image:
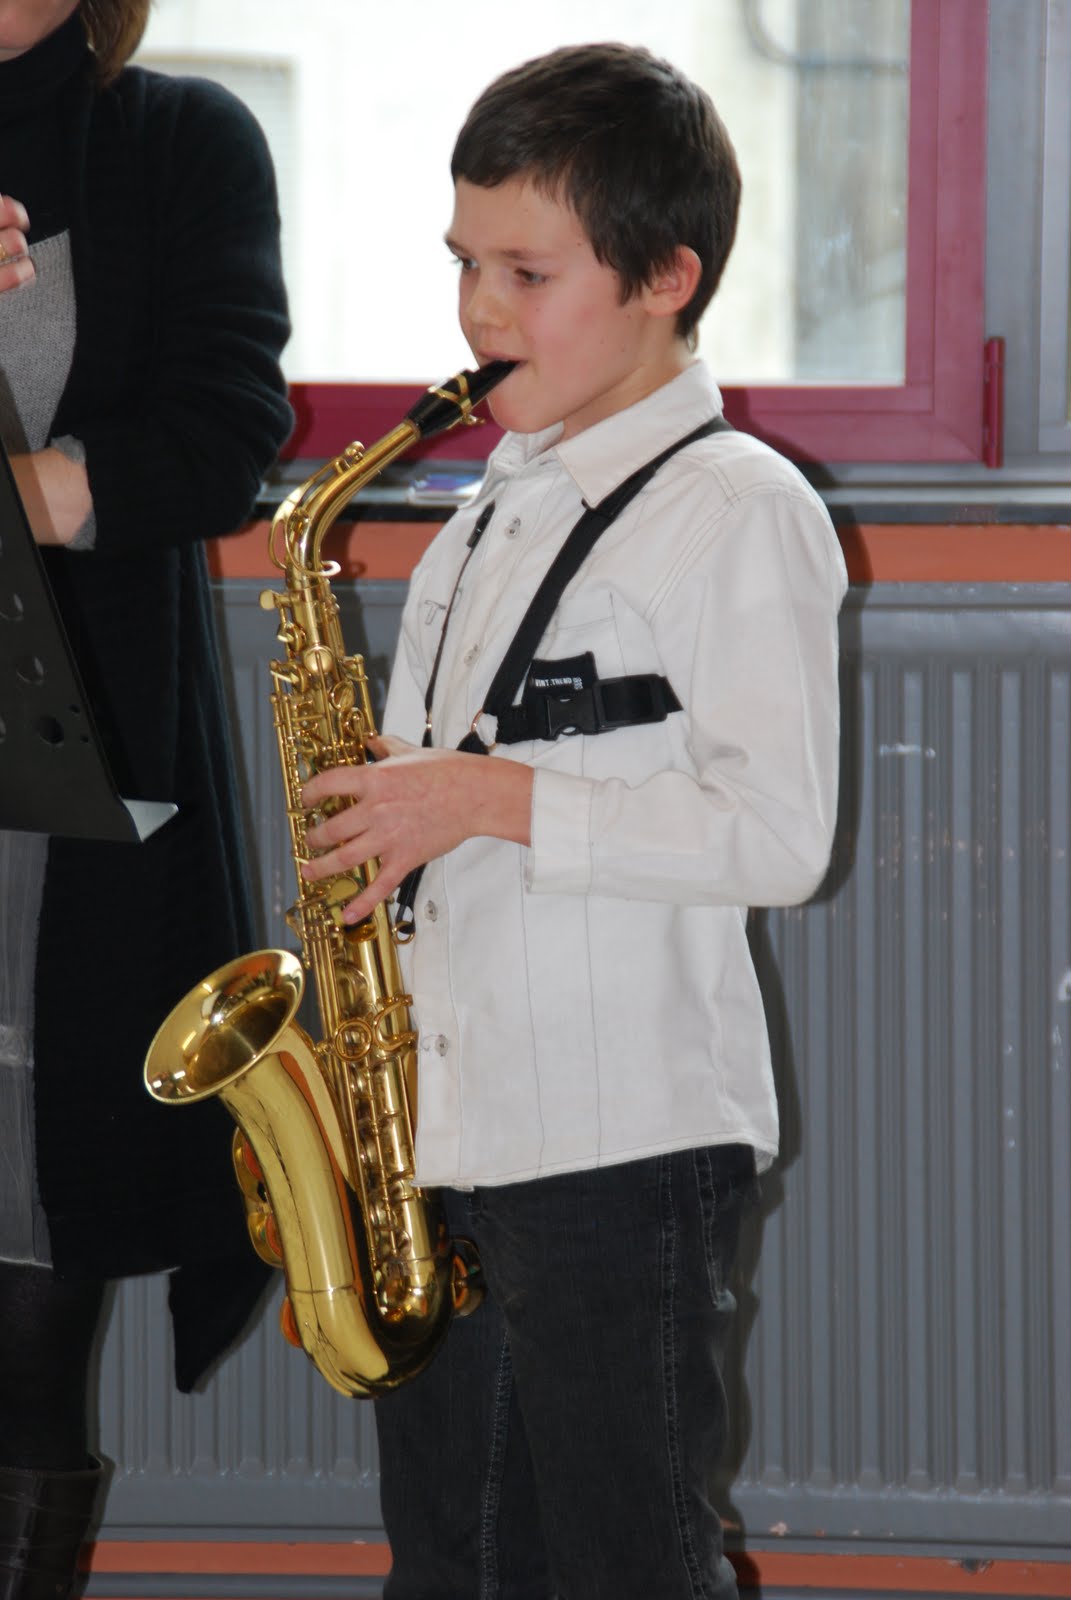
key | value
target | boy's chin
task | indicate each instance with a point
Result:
(509, 417)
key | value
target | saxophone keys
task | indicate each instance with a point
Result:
(288, 1324)
(319, 661)
(467, 1286)
(246, 1163)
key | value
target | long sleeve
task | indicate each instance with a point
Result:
(177, 447)
(746, 631)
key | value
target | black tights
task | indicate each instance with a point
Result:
(47, 1328)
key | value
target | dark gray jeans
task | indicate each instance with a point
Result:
(562, 1445)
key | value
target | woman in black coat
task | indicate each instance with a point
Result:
(142, 314)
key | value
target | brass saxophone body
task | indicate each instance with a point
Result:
(324, 1150)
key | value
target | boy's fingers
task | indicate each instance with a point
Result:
(365, 903)
(332, 858)
(333, 830)
(339, 781)
(383, 745)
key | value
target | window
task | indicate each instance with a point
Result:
(849, 324)
(936, 412)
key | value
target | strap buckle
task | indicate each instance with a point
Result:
(606, 705)
(564, 719)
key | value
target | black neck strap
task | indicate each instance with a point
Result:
(470, 544)
(566, 564)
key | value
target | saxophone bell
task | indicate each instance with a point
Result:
(235, 1036)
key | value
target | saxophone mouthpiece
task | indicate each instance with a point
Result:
(453, 401)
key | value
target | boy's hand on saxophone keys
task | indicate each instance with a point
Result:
(408, 807)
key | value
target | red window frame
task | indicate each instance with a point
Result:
(937, 413)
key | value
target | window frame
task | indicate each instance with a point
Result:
(1054, 341)
(937, 414)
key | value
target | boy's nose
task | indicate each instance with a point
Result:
(484, 308)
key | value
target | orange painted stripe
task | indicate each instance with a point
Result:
(362, 550)
(763, 1570)
(902, 1575)
(947, 553)
(874, 552)
(227, 1556)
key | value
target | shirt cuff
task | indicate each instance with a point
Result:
(559, 860)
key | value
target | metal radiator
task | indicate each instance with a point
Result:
(902, 1367)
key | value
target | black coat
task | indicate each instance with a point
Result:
(176, 392)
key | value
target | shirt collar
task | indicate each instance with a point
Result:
(514, 452)
(595, 458)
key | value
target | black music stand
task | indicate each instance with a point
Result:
(54, 774)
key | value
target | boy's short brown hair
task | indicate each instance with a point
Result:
(629, 143)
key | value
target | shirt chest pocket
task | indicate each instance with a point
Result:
(596, 672)
(587, 622)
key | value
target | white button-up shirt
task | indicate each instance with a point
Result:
(591, 999)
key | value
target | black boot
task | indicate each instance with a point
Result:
(44, 1519)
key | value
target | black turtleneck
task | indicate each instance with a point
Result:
(32, 168)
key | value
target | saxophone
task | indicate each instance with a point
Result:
(324, 1147)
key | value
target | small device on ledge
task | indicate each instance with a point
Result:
(445, 485)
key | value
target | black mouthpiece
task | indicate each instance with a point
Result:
(452, 402)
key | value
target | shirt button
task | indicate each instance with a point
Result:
(470, 654)
(512, 528)
(431, 911)
(442, 1044)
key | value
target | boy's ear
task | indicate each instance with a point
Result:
(671, 288)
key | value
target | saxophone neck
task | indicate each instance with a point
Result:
(301, 522)
(304, 518)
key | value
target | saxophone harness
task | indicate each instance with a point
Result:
(563, 697)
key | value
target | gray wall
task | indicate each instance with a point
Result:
(903, 1370)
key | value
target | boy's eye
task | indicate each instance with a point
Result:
(531, 280)
(466, 263)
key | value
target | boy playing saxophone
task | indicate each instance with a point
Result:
(596, 1094)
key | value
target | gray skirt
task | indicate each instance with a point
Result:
(37, 331)
(23, 1229)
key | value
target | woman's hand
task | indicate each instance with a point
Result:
(410, 806)
(16, 268)
(54, 492)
